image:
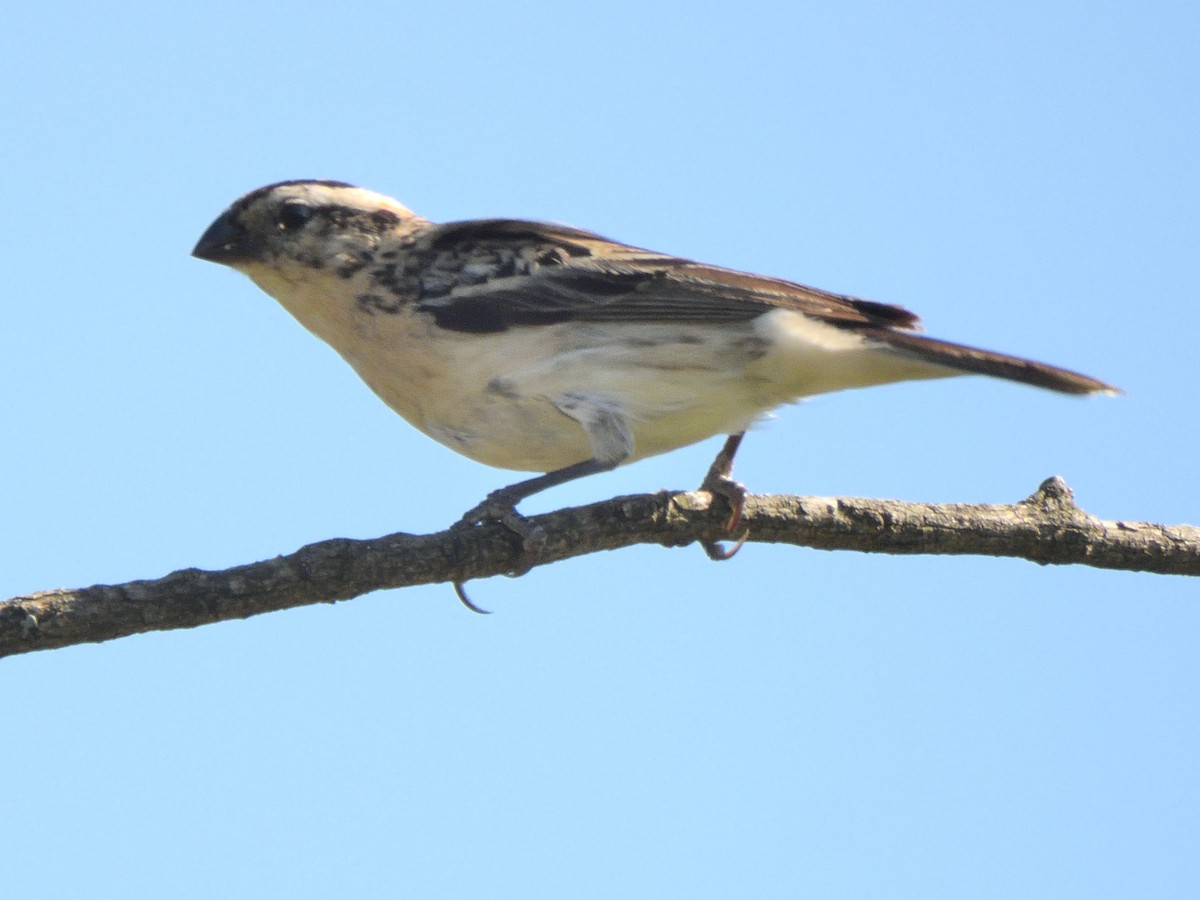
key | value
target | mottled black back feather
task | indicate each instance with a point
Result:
(544, 273)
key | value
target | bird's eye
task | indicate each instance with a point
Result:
(292, 216)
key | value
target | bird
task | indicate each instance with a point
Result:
(541, 347)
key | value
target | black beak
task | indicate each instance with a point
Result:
(225, 242)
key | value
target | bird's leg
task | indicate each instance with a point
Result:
(501, 506)
(719, 483)
(611, 436)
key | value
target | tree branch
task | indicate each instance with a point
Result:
(1046, 528)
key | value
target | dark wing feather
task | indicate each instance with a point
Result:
(493, 274)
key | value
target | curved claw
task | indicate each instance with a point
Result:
(717, 553)
(466, 601)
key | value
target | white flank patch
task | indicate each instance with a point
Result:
(806, 357)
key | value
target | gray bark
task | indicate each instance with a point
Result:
(1046, 528)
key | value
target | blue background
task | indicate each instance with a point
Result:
(633, 724)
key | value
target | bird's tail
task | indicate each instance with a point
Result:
(985, 362)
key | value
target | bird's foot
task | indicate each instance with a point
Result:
(734, 493)
(719, 483)
(500, 507)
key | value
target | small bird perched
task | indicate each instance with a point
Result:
(545, 348)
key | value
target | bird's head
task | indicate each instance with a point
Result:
(292, 230)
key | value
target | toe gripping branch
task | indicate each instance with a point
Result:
(719, 482)
(501, 507)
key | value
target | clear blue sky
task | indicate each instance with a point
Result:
(1026, 176)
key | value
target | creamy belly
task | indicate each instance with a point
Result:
(500, 398)
(529, 398)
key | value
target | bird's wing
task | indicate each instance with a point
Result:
(492, 274)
